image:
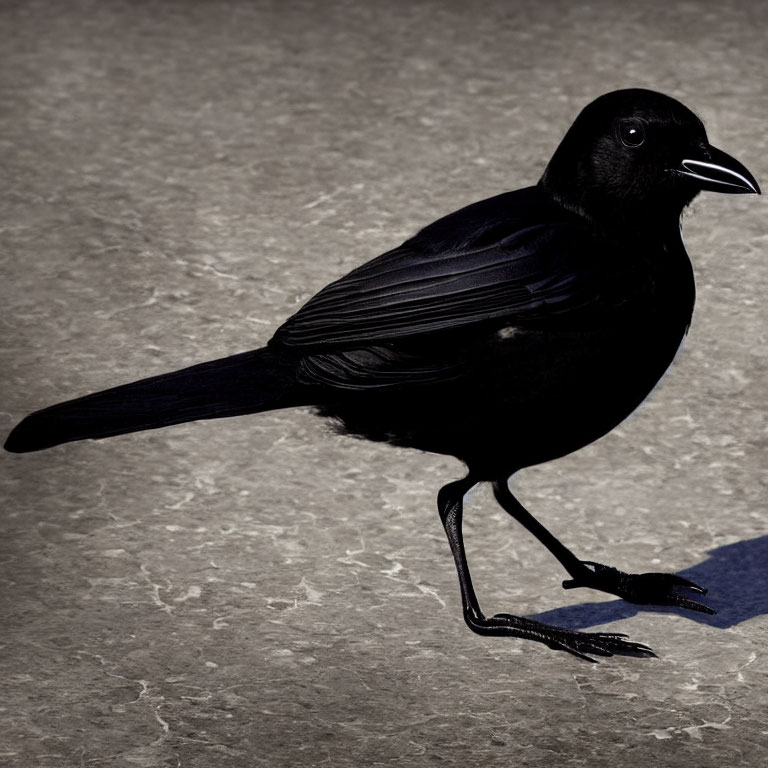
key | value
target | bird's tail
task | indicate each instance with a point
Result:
(246, 383)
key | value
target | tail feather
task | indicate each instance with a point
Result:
(246, 383)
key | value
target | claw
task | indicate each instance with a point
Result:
(613, 636)
(640, 588)
(680, 581)
(579, 644)
(692, 605)
(599, 644)
(644, 650)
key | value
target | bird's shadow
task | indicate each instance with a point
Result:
(736, 576)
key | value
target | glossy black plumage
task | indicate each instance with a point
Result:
(508, 333)
(516, 255)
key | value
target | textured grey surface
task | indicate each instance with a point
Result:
(177, 178)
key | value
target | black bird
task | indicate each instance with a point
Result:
(509, 333)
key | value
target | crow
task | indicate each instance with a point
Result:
(509, 333)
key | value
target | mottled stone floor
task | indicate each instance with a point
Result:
(176, 178)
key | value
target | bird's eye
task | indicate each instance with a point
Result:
(631, 132)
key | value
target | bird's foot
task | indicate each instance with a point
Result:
(641, 588)
(579, 644)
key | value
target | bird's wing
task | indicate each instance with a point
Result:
(511, 258)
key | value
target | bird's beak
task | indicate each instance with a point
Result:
(720, 173)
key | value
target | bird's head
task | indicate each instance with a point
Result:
(636, 156)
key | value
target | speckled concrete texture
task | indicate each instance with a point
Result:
(176, 178)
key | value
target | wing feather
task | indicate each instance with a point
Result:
(506, 257)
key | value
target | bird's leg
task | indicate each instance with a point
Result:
(641, 588)
(450, 502)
